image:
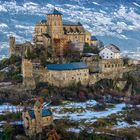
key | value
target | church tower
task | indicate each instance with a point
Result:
(38, 116)
(55, 25)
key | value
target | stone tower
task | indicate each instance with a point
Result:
(55, 25)
(12, 44)
(27, 72)
(38, 116)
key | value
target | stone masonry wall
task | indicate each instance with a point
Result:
(27, 72)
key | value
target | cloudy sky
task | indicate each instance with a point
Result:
(112, 21)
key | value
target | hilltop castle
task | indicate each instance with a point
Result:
(55, 35)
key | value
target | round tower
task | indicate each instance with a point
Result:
(55, 25)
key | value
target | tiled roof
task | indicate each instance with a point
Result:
(70, 66)
(43, 21)
(69, 23)
(45, 113)
(93, 38)
(55, 12)
(113, 48)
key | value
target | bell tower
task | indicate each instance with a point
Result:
(38, 116)
(55, 25)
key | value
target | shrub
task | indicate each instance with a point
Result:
(2, 117)
(129, 120)
(82, 96)
(8, 132)
(55, 101)
(100, 107)
(100, 123)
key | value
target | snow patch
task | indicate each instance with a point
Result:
(9, 108)
(75, 130)
(127, 125)
(85, 111)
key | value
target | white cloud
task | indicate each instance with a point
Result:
(136, 4)
(25, 27)
(3, 25)
(95, 3)
(2, 9)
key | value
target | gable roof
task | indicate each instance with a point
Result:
(113, 48)
(55, 12)
(45, 113)
(70, 23)
(69, 66)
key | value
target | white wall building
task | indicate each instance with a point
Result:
(110, 52)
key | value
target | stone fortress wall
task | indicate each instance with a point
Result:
(27, 74)
(105, 70)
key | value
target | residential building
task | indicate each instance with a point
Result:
(110, 52)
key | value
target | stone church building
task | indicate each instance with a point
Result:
(37, 119)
